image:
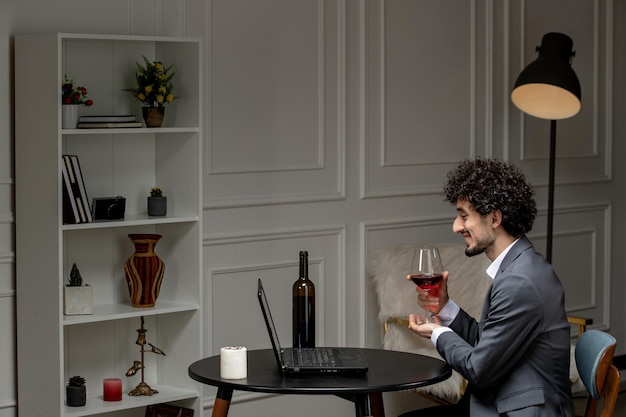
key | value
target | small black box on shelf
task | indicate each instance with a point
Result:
(108, 208)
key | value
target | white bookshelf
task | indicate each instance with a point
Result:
(127, 162)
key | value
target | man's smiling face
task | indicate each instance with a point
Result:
(474, 228)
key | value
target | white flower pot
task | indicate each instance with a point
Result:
(77, 300)
(69, 116)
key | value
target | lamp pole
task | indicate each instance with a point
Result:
(551, 190)
(548, 88)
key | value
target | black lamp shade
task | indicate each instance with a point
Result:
(548, 87)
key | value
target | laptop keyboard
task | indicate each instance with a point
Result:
(316, 357)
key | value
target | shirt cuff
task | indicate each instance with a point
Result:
(438, 332)
(448, 313)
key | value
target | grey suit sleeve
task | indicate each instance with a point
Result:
(512, 321)
(466, 327)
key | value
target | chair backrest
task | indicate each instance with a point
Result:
(594, 360)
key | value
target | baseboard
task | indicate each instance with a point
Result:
(620, 361)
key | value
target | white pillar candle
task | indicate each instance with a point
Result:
(233, 362)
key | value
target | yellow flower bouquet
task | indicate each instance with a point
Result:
(154, 85)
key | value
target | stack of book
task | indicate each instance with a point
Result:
(75, 203)
(103, 122)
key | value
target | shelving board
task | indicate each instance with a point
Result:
(96, 405)
(125, 311)
(131, 220)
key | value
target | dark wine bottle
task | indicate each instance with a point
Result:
(304, 306)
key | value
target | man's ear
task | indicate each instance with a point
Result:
(495, 218)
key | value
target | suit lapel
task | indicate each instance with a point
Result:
(520, 246)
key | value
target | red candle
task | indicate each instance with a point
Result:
(112, 389)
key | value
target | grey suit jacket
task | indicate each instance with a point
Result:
(516, 359)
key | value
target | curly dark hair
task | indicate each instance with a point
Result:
(490, 184)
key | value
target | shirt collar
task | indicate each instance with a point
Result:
(495, 265)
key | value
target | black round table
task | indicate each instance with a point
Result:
(388, 371)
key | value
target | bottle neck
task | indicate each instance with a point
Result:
(304, 265)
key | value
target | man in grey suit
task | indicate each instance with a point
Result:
(516, 357)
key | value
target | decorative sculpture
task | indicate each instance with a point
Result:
(142, 388)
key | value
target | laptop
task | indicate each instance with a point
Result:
(310, 360)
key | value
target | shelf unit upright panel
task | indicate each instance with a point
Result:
(128, 162)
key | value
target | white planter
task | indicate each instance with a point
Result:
(77, 300)
(69, 116)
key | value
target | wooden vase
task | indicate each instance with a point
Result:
(144, 270)
(153, 116)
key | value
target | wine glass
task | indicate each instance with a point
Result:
(427, 270)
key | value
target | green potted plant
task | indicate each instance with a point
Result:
(76, 392)
(157, 202)
(72, 96)
(154, 90)
(77, 298)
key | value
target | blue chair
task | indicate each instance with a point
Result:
(594, 360)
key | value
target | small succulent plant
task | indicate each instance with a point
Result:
(156, 192)
(77, 381)
(75, 279)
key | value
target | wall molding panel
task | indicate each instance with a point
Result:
(161, 17)
(7, 405)
(8, 388)
(406, 113)
(581, 257)
(233, 264)
(295, 147)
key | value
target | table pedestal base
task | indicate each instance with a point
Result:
(369, 405)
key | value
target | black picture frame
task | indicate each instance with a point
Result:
(168, 410)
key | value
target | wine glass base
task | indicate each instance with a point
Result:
(429, 317)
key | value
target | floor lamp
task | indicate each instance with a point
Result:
(548, 88)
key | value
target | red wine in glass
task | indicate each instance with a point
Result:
(427, 270)
(428, 282)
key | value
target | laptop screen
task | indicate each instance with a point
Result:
(267, 315)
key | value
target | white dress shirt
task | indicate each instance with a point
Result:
(451, 309)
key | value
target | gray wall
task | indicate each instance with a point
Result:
(329, 127)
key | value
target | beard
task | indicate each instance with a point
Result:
(476, 250)
(479, 247)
